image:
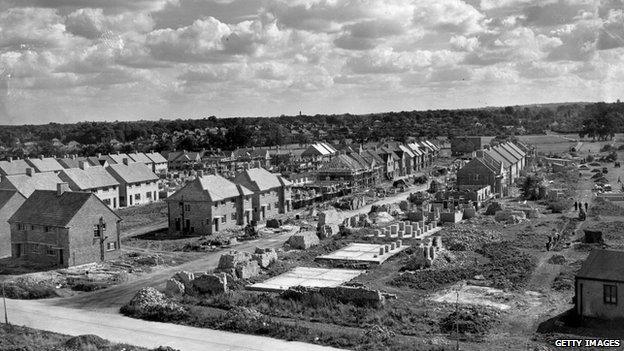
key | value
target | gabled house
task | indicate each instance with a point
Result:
(183, 159)
(138, 185)
(62, 228)
(13, 166)
(345, 169)
(27, 183)
(207, 205)
(599, 285)
(45, 164)
(483, 170)
(93, 179)
(72, 161)
(10, 201)
(159, 163)
(116, 158)
(141, 158)
(271, 192)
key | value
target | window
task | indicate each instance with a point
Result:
(47, 229)
(475, 176)
(50, 251)
(187, 207)
(96, 231)
(137, 196)
(148, 194)
(34, 248)
(610, 294)
(234, 216)
(32, 227)
(111, 246)
(107, 202)
(223, 219)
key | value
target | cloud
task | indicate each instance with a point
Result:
(612, 33)
(31, 28)
(578, 41)
(454, 16)
(92, 23)
(461, 43)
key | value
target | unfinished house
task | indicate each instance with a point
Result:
(62, 228)
(93, 179)
(10, 201)
(207, 205)
(598, 285)
(13, 166)
(271, 193)
(45, 164)
(159, 163)
(27, 183)
(346, 170)
(138, 185)
(481, 171)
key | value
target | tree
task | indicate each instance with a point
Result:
(531, 188)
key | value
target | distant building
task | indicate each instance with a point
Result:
(599, 285)
(271, 193)
(45, 164)
(207, 205)
(27, 183)
(72, 161)
(159, 163)
(61, 228)
(466, 145)
(345, 169)
(10, 202)
(94, 179)
(13, 166)
(481, 171)
(138, 185)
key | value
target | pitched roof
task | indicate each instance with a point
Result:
(406, 150)
(96, 161)
(604, 265)
(14, 167)
(506, 154)
(26, 184)
(498, 157)
(370, 155)
(219, 188)
(45, 207)
(257, 179)
(156, 157)
(415, 149)
(517, 148)
(361, 160)
(342, 163)
(139, 157)
(132, 172)
(118, 158)
(70, 162)
(6, 195)
(45, 164)
(511, 150)
(88, 178)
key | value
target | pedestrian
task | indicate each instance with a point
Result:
(586, 207)
(548, 246)
(575, 206)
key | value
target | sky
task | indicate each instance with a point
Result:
(85, 60)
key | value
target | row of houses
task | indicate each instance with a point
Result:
(212, 203)
(155, 162)
(498, 167)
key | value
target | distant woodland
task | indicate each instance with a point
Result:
(594, 120)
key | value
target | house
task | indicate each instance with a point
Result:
(159, 163)
(465, 145)
(344, 168)
(184, 160)
(511, 163)
(207, 205)
(318, 152)
(116, 158)
(271, 193)
(10, 201)
(62, 228)
(45, 164)
(599, 285)
(481, 171)
(27, 183)
(138, 185)
(141, 158)
(93, 179)
(72, 161)
(13, 166)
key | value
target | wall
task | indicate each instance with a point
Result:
(55, 239)
(6, 212)
(109, 193)
(131, 190)
(592, 300)
(270, 199)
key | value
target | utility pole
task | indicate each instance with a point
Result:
(101, 228)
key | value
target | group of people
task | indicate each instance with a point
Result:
(579, 206)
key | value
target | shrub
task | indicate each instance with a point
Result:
(606, 147)
(29, 291)
(559, 205)
(471, 320)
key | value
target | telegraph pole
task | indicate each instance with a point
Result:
(101, 228)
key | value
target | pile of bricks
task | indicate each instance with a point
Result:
(406, 229)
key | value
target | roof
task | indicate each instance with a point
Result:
(511, 150)
(517, 148)
(415, 149)
(70, 162)
(317, 149)
(342, 163)
(156, 157)
(361, 160)
(14, 167)
(139, 157)
(219, 188)
(45, 164)
(6, 195)
(406, 150)
(26, 184)
(603, 265)
(498, 157)
(506, 154)
(118, 158)
(258, 179)
(96, 161)
(132, 172)
(45, 207)
(370, 155)
(89, 178)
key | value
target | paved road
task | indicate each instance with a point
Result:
(120, 329)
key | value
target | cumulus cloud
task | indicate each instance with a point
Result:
(92, 23)
(451, 15)
(612, 33)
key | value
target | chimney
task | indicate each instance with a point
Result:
(61, 188)
(29, 172)
(83, 165)
(73, 156)
(41, 157)
(118, 152)
(99, 155)
(125, 161)
(10, 159)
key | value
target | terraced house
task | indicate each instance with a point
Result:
(26, 184)
(13, 166)
(138, 185)
(62, 228)
(93, 179)
(271, 193)
(10, 201)
(207, 205)
(45, 164)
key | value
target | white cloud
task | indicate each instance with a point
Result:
(451, 15)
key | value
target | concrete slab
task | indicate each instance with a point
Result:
(308, 277)
(396, 236)
(360, 253)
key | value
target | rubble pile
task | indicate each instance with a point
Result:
(328, 223)
(238, 264)
(493, 208)
(510, 216)
(303, 240)
(357, 295)
(468, 237)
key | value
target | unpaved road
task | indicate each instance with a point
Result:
(120, 329)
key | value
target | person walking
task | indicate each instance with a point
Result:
(575, 206)
(586, 206)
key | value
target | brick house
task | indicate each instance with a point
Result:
(10, 201)
(138, 185)
(27, 183)
(61, 228)
(207, 205)
(271, 193)
(481, 171)
(13, 166)
(93, 179)
(599, 285)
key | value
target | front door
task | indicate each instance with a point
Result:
(216, 224)
(60, 253)
(262, 213)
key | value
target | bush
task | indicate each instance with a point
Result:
(606, 147)
(559, 205)
(29, 291)
(471, 320)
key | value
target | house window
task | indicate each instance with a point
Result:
(34, 248)
(112, 246)
(137, 197)
(32, 227)
(96, 231)
(475, 176)
(610, 294)
(187, 207)
(223, 219)
(50, 251)
(47, 229)
(234, 216)
(107, 202)
(148, 194)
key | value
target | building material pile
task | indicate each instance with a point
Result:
(188, 283)
(264, 257)
(238, 264)
(303, 240)
(328, 223)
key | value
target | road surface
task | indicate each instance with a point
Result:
(116, 328)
